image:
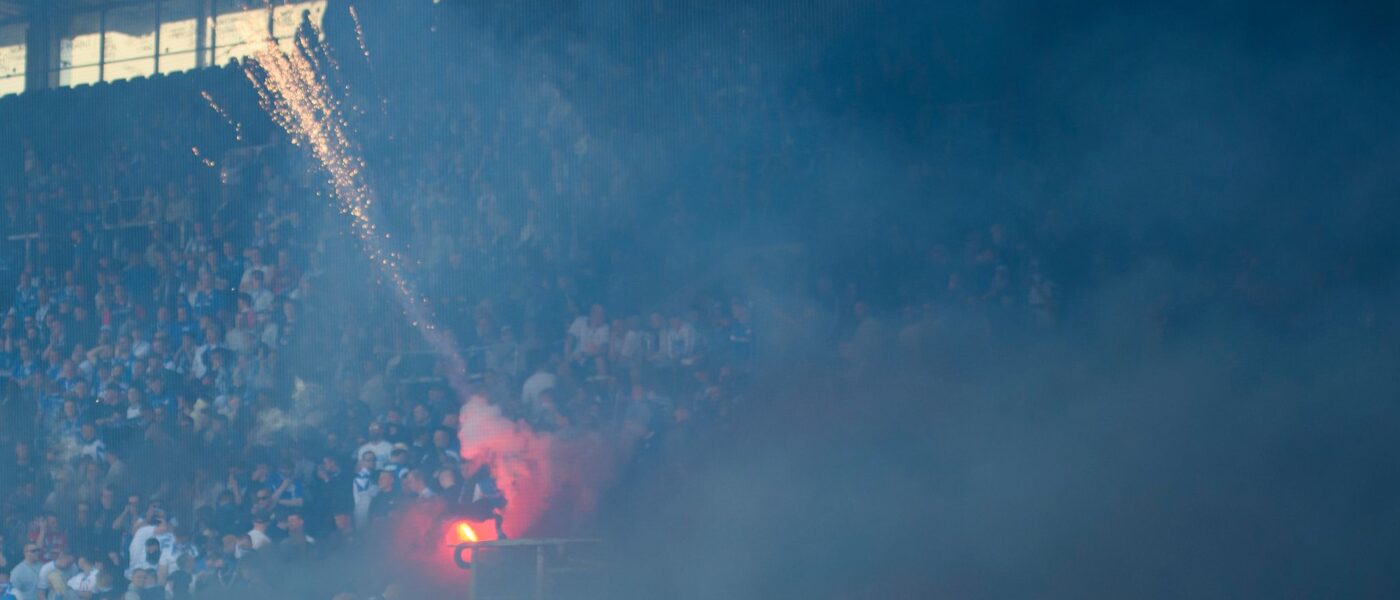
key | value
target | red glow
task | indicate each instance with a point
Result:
(550, 484)
(519, 459)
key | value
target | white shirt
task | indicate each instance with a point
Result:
(197, 366)
(262, 300)
(636, 345)
(84, 581)
(534, 384)
(268, 272)
(259, 538)
(587, 337)
(94, 449)
(137, 549)
(44, 572)
(678, 343)
(139, 561)
(170, 559)
(364, 490)
(381, 450)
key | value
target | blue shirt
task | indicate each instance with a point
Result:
(162, 400)
(292, 492)
(202, 303)
(25, 369)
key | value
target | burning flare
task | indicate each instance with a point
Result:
(465, 532)
(293, 87)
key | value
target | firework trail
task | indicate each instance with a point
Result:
(293, 87)
(360, 36)
(200, 156)
(364, 51)
(237, 128)
(296, 91)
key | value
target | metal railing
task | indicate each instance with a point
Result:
(552, 557)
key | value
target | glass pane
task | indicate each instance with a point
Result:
(131, 33)
(287, 18)
(240, 29)
(178, 26)
(127, 69)
(12, 59)
(179, 31)
(77, 75)
(174, 63)
(13, 84)
(82, 44)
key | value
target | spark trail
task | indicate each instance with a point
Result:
(237, 127)
(206, 160)
(360, 36)
(293, 88)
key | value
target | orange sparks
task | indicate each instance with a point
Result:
(293, 88)
(237, 128)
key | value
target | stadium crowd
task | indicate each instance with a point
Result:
(180, 291)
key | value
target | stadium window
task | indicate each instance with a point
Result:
(80, 50)
(240, 28)
(179, 35)
(129, 42)
(12, 58)
(286, 18)
(138, 39)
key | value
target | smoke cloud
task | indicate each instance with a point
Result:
(551, 483)
(1211, 186)
(307, 411)
(1238, 461)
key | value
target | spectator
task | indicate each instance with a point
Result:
(25, 578)
(49, 535)
(181, 583)
(364, 488)
(143, 586)
(415, 484)
(342, 534)
(84, 582)
(297, 544)
(286, 489)
(330, 493)
(183, 550)
(398, 462)
(54, 576)
(91, 446)
(387, 498)
(377, 445)
(588, 337)
(146, 558)
(636, 343)
(106, 588)
(541, 380)
(677, 343)
(258, 534)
